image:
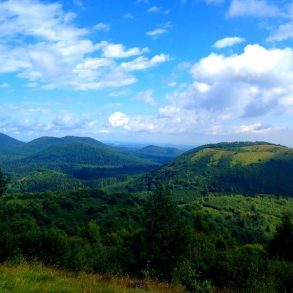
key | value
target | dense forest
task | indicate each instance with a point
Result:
(178, 224)
(205, 244)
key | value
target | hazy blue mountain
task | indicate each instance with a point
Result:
(9, 145)
(159, 154)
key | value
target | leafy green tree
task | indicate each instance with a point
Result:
(281, 245)
(91, 232)
(167, 237)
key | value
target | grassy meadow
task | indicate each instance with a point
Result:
(26, 278)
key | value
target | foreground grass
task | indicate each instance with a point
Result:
(27, 278)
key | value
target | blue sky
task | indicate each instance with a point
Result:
(178, 72)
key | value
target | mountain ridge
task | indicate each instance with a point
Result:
(239, 167)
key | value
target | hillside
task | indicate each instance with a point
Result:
(9, 145)
(159, 154)
(45, 142)
(37, 278)
(61, 156)
(66, 163)
(246, 168)
(224, 246)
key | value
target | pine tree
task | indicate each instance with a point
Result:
(281, 245)
(166, 235)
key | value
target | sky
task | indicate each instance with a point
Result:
(166, 72)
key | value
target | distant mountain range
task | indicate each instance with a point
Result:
(75, 158)
(240, 167)
(50, 163)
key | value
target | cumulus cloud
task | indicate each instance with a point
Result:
(256, 81)
(41, 43)
(228, 42)
(252, 8)
(254, 84)
(119, 119)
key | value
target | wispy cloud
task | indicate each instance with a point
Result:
(160, 10)
(160, 30)
(101, 26)
(142, 63)
(228, 42)
(146, 97)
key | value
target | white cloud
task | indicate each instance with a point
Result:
(228, 42)
(163, 29)
(119, 119)
(156, 32)
(33, 18)
(252, 8)
(41, 43)
(142, 63)
(101, 26)
(146, 97)
(253, 128)
(156, 9)
(282, 33)
(119, 51)
(256, 81)
(228, 90)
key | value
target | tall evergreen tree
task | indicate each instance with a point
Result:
(166, 235)
(281, 245)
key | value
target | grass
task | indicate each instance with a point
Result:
(243, 155)
(35, 278)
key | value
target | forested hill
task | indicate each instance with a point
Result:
(45, 142)
(159, 154)
(239, 167)
(59, 153)
(67, 163)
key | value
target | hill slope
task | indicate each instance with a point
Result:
(246, 168)
(45, 142)
(66, 163)
(9, 145)
(159, 154)
(37, 278)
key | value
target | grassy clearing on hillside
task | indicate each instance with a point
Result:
(27, 278)
(241, 156)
